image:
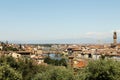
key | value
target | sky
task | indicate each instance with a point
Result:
(59, 21)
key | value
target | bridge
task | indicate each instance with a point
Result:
(51, 51)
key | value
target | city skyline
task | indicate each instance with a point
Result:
(59, 21)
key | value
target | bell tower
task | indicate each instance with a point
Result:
(115, 38)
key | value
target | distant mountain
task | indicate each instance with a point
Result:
(67, 41)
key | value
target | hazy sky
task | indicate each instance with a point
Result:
(25, 20)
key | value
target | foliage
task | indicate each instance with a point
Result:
(26, 69)
(55, 73)
(8, 48)
(56, 62)
(101, 70)
(8, 73)
(45, 45)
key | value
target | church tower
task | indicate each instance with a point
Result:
(115, 38)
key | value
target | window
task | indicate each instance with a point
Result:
(89, 56)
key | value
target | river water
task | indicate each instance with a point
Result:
(53, 56)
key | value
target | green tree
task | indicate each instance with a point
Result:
(56, 62)
(55, 73)
(63, 62)
(48, 60)
(101, 70)
(26, 67)
(8, 73)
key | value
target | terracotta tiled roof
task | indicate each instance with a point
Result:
(81, 64)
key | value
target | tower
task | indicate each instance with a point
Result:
(115, 38)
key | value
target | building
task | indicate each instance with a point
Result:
(115, 38)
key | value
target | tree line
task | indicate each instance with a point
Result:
(26, 69)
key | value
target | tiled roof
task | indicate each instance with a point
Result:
(80, 64)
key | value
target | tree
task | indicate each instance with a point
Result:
(101, 70)
(56, 62)
(48, 60)
(8, 73)
(25, 67)
(55, 73)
